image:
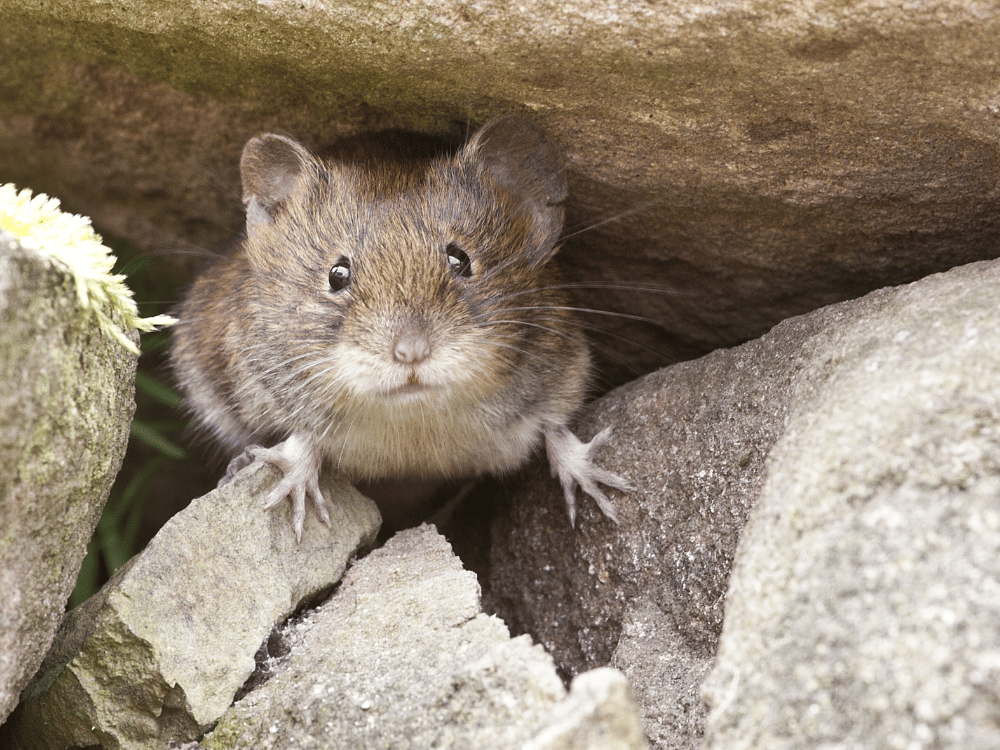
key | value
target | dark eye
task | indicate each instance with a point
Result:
(340, 274)
(458, 261)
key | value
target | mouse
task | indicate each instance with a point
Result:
(401, 321)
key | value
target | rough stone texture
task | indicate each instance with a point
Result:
(599, 713)
(666, 672)
(771, 157)
(864, 610)
(647, 596)
(693, 439)
(401, 656)
(178, 627)
(66, 400)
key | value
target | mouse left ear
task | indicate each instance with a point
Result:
(271, 167)
(519, 159)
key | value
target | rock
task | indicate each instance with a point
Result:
(599, 713)
(864, 608)
(696, 439)
(647, 595)
(180, 624)
(743, 154)
(666, 672)
(66, 400)
(402, 656)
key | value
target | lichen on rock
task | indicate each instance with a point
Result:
(67, 371)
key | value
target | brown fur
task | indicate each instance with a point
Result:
(265, 349)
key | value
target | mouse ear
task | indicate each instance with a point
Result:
(519, 159)
(271, 167)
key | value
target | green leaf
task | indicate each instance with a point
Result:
(114, 546)
(135, 493)
(86, 581)
(151, 342)
(156, 390)
(147, 434)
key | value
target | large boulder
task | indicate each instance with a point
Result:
(868, 430)
(66, 400)
(760, 159)
(864, 607)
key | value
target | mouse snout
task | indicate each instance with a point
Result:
(412, 344)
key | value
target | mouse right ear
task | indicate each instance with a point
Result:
(271, 167)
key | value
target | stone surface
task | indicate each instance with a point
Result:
(764, 158)
(647, 596)
(693, 439)
(599, 713)
(665, 672)
(180, 624)
(755, 159)
(864, 610)
(401, 656)
(66, 399)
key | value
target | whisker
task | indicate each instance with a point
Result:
(319, 374)
(539, 357)
(640, 288)
(597, 344)
(588, 310)
(556, 331)
(347, 437)
(629, 212)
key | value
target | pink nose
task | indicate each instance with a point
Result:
(412, 346)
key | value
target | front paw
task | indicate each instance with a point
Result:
(572, 462)
(300, 461)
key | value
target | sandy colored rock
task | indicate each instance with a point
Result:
(180, 624)
(401, 656)
(598, 714)
(864, 608)
(764, 158)
(66, 399)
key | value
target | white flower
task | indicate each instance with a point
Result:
(71, 240)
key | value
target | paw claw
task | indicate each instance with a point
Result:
(319, 502)
(275, 496)
(237, 464)
(607, 507)
(569, 492)
(598, 440)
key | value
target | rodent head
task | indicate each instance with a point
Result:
(401, 285)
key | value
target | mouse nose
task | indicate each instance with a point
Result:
(412, 345)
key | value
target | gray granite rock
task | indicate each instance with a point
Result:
(600, 713)
(864, 608)
(160, 652)
(666, 673)
(66, 400)
(401, 656)
(648, 595)
(765, 158)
